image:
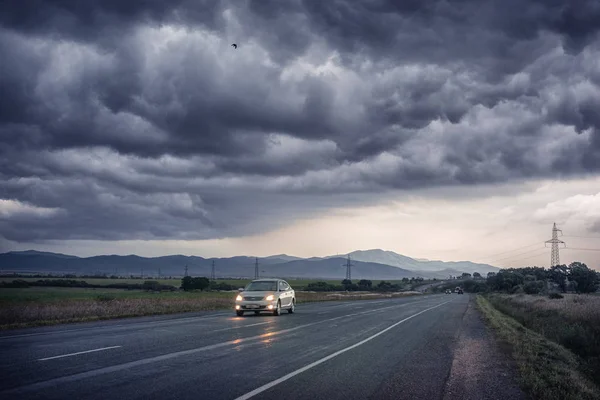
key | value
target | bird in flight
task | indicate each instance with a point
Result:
(234, 46)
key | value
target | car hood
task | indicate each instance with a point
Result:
(257, 294)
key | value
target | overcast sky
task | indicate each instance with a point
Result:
(453, 130)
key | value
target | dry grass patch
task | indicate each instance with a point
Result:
(48, 305)
(104, 307)
(573, 322)
(548, 371)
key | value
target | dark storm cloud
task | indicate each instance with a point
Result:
(92, 20)
(138, 120)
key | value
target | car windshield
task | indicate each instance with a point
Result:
(262, 286)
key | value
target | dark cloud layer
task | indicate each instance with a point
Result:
(138, 120)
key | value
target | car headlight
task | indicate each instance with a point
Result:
(269, 297)
(239, 298)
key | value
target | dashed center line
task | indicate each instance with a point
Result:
(79, 352)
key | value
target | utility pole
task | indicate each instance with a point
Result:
(212, 271)
(142, 273)
(349, 269)
(256, 268)
(159, 273)
(555, 242)
(186, 271)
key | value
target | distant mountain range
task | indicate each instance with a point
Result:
(367, 264)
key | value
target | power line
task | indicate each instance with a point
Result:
(581, 249)
(492, 256)
(582, 237)
(531, 256)
(516, 255)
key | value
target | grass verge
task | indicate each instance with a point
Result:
(547, 370)
(38, 306)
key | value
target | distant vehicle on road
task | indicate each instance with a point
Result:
(271, 295)
(460, 291)
(448, 291)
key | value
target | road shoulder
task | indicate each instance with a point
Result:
(480, 370)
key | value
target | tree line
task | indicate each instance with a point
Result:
(363, 285)
(576, 277)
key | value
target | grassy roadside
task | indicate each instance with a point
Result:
(547, 370)
(20, 308)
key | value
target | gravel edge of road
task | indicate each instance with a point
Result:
(480, 369)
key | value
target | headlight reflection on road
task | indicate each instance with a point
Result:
(267, 335)
(237, 347)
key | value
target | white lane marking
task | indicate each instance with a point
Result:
(329, 357)
(79, 352)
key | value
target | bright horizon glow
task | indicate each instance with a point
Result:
(500, 230)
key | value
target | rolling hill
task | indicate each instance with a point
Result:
(398, 260)
(367, 264)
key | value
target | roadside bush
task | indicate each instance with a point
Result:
(516, 289)
(221, 286)
(571, 320)
(18, 283)
(533, 287)
(322, 287)
(198, 283)
(365, 285)
(385, 286)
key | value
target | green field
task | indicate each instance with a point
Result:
(295, 283)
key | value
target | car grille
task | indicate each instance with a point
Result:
(249, 298)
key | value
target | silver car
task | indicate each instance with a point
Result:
(271, 295)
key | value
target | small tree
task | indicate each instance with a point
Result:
(476, 275)
(466, 275)
(187, 283)
(365, 284)
(533, 287)
(558, 275)
(201, 283)
(586, 279)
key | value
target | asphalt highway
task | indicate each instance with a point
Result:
(375, 349)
